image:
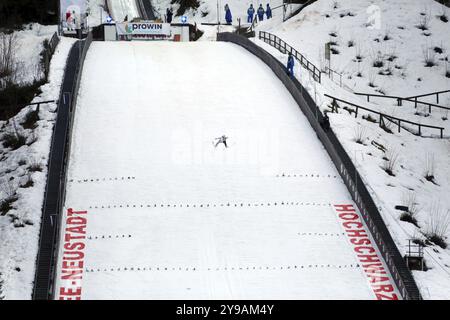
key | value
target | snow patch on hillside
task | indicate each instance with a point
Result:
(415, 157)
(23, 176)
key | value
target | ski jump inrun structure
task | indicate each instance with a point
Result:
(102, 236)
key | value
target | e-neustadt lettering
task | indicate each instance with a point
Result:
(72, 263)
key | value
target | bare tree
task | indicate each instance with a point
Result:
(9, 67)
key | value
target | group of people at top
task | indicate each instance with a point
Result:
(260, 12)
(250, 13)
(229, 18)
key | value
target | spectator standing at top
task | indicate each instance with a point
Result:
(268, 11)
(250, 13)
(290, 65)
(260, 13)
(169, 15)
(68, 16)
(228, 16)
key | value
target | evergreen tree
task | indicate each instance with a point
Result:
(185, 5)
(13, 13)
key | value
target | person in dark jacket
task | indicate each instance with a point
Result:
(228, 16)
(169, 15)
(326, 122)
(290, 65)
(268, 11)
(260, 13)
(250, 13)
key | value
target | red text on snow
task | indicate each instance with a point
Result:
(368, 256)
(73, 255)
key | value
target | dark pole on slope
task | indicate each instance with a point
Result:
(59, 17)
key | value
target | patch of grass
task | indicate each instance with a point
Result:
(360, 134)
(14, 97)
(443, 16)
(6, 204)
(370, 118)
(430, 168)
(333, 43)
(424, 22)
(392, 57)
(185, 5)
(378, 63)
(14, 141)
(30, 119)
(438, 240)
(381, 91)
(28, 183)
(35, 167)
(437, 225)
(334, 50)
(349, 110)
(390, 164)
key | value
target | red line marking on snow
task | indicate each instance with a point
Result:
(73, 255)
(366, 252)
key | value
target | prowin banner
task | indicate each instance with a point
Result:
(143, 28)
(73, 13)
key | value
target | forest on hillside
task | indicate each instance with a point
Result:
(14, 13)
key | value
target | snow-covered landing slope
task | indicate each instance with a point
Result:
(168, 215)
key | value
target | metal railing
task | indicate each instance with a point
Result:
(401, 99)
(284, 48)
(295, 12)
(437, 93)
(38, 104)
(382, 116)
(45, 275)
(353, 180)
(331, 74)
(48, 52)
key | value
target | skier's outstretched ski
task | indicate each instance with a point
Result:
(222, 139)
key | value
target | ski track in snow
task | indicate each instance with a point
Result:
(153, 117)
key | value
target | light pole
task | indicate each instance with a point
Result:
(101, 14)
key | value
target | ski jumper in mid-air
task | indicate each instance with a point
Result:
(222, 139)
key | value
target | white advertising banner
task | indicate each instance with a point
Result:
(73, 13)
(143, 28)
